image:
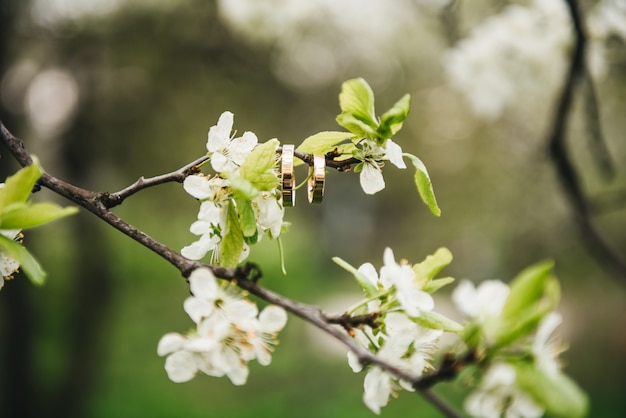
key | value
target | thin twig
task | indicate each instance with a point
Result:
(116, 198)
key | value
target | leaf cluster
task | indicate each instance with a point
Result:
(18, 213)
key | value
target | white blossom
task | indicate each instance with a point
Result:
(269, 214)
(209, 297)
(400, 342)
(483, 304)
(408, 292)
(227, 154)
(499, 396)
(371, 177)
(210, 225)
(229, 333)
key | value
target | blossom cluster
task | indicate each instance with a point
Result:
(229, 333)
(406, 332)
(499, 390)
(508, 335)
(222, 192)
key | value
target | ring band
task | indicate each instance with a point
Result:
(317, 179)
(288, 176)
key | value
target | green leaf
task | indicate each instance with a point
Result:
(232, 241)
(357, 98)
(436, 284)
(534, 293)
(24, 215)
(527, 288)
(326, 141)
(18, 187)
(246, 217)
(432, 265)
(242, 188)
(356, 101)
(391, 121)
(359, 128)
(557, 392)
(27, 262)
(424, 186)
(259, 167)
(434, 320)
(363, 281)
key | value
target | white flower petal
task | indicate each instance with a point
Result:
(200, 344)
(354, 363)
(197, 186)
(272, 319)
(170, 343)
(203, 284)
(377, 387)
(369, 271)
(371, 179)
(198, 308)
(240, 148)
(198, 249)
(219, 135)
(239, 309)
(220, 162)
(181, 366)
(393, 152)
(482, 302)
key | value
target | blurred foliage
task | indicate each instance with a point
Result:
(151, 82)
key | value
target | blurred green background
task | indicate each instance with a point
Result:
(106, 91)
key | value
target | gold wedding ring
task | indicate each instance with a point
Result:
(288, 176)
(317, 179)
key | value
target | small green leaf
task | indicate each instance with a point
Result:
(391, 121)
(359, 128)
(424, 186)
(27, 262)
(18, 187)
(246, 217)
(363, 281)
(534, 293)
(242, 188)
(259, 167)
(327, 141)
(356, 101)
(557, 392)
(432, 265)
(527, 288)
(232, 241)
(436, 284)
(24, 215)
(434, 320)
(357, 98)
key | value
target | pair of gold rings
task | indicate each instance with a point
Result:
(316, 180)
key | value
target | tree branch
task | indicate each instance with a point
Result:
(566, 171)
(113, 199)
(246, 276)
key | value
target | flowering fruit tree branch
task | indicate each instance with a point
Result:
(245, 276)
(392, 333)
